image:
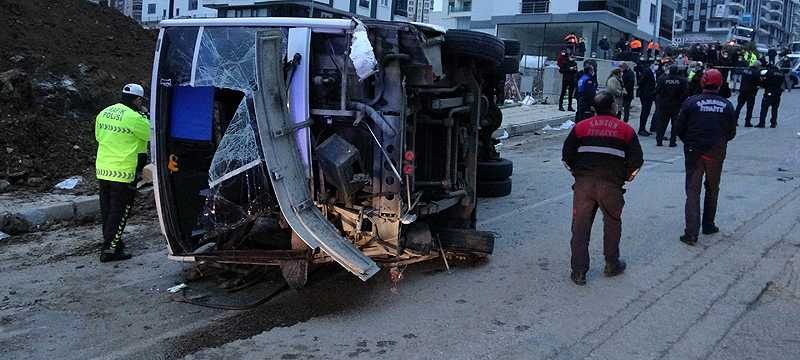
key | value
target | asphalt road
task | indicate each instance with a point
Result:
(734, 296)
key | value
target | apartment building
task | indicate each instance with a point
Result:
(378, 9)
(419, 10)
(768, 22)
(540, 25)
(154, 11)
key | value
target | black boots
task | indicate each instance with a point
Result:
(111, 255)
(579, 278)
(710, 229)
(644, 132)
(614, 268)
(689, 240)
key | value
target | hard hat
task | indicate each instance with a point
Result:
(133, 89)
(712, 78)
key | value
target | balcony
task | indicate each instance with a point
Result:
(736, 4)
(458, 8)
(717, 29)
(535, 6)
(775, 22)
(778, 12)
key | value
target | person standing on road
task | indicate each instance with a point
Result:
(122, 134)
(602, 153)
(585, 91)
(615, 87)
(568, 69)
(671, 91)
(772, 81)
(647, 94)
(747, 93)
(786, 68)
(629, 82)
(706, 124)
(772, 54)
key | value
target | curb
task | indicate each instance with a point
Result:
(529, 127)
(30, 219)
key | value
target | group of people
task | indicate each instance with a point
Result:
(603, 153)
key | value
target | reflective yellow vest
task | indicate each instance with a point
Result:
(751, 58)
(122, 134)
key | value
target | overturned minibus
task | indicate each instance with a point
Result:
(293, 141)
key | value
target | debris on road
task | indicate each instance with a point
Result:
(566, 125)
(70, 183)
(177, 288)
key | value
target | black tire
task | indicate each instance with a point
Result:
(510, 65)
(512, 47)
(496, 170)
(494, 188)
(474, 44)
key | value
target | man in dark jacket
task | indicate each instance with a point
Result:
(747, 93)
(604, 45)
(671, 91)
(602, 153)
(647, 94)
(568, 69)
(771, 54)
(585, 90)
(706, 124)
(629, 83)
(772, 82)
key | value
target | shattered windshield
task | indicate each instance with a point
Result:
(224, 58)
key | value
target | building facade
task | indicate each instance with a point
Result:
(419, 10)
(154, 11)
(769, 23)
(540, 25)
(378, 9)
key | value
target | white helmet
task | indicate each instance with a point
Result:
(133, 89)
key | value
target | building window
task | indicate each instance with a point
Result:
(401, 7)
(628, 9)
(193, 4)
(177, 12)
(164, 14)
(384, 2)
(151, 8)
(653, 13)
(363, 3)
(535, 6)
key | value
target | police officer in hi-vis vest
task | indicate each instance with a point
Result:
(122, 135)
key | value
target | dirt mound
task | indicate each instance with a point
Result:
(62, 62)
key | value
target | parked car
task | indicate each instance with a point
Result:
(289, 141)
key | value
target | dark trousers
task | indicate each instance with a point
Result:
(567, 89)
(590, 194)
(626, 108)
(116, 203)
(647, 105)
(749, 99)
(666, 115)
(698, 166)
(769, 102)
(584, 111)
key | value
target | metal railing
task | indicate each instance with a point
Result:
(465, 6)
(534, 6)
